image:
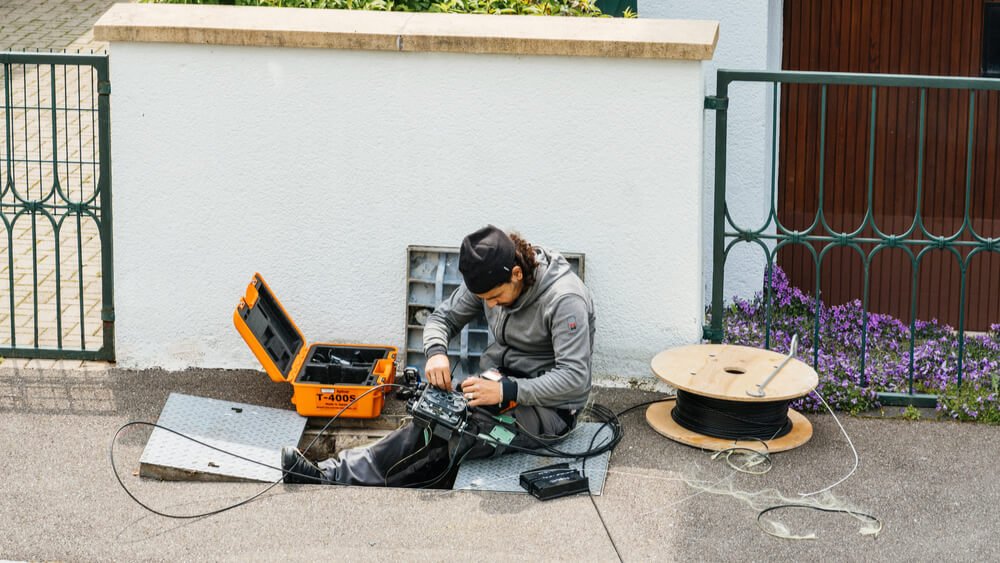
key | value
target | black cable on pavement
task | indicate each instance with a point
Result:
(640, 405)
(547, 450)
(583, 469)
(114, 469)
(605, 415)
(590, 495)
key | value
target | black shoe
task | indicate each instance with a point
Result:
(298, 469)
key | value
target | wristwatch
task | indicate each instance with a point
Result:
(494, 375)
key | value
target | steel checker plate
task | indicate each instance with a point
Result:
(251, 431)
(502, 474)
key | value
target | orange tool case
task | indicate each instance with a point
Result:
(325, 377)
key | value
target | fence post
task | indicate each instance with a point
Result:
(719, 103)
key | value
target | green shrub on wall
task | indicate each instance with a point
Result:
(586, 8)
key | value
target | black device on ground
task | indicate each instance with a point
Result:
(444, 411)
(554, 481)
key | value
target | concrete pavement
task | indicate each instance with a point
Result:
(933, 485)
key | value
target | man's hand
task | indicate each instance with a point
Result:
(481, 392)
(438, 371)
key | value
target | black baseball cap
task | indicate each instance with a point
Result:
(486, 259)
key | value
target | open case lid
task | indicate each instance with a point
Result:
(266, 327)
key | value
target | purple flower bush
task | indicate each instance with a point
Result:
(841, 340)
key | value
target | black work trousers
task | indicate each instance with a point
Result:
(412, 457)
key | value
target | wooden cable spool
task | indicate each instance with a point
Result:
(731, 373)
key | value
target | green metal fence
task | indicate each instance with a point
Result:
(616, 8)
(56, 277)
(867, 240)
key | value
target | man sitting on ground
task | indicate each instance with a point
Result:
(537, 370)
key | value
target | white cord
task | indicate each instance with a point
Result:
(849, 442)
(689, 497)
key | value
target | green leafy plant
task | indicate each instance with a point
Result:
(579, 8)
(911, 413)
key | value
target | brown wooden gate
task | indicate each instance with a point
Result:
(926, 37)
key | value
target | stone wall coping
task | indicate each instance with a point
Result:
(411, 32)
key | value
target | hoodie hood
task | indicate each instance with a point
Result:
(551, 267)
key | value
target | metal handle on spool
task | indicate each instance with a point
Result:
(759, 392)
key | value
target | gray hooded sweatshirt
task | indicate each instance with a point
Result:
(547, 333)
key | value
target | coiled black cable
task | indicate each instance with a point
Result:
(731, 420)
(598, 412)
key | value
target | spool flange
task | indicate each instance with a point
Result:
(727, 372)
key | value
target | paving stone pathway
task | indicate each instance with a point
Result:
(67, 301)
(48, 24)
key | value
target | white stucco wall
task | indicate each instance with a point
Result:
(318, 167)
(749, 39)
